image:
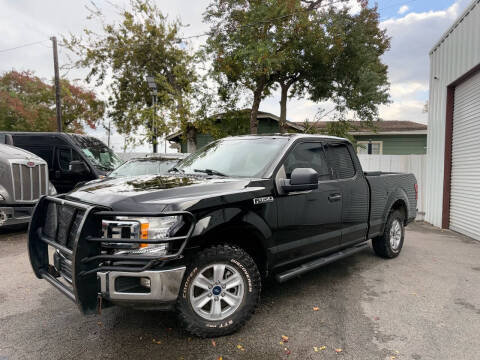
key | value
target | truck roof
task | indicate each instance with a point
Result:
(292, 136)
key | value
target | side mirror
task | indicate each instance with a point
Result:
(6, 139)
(78, 167)
(302, 179)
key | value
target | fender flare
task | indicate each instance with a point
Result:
(398, 194)
(231, 216)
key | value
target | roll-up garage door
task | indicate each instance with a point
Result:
(465, 181)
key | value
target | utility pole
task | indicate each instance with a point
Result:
(57, 84)
(155, 130)
(109, 129)
(153, 91)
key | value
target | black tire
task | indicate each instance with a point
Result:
(233, 257)
(382, 244)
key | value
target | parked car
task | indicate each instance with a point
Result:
(154, 164)
(23, 180)
(71, 158)
(202, 238)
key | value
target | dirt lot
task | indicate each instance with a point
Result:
(423, 305)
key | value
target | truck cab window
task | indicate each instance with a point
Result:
(65, 156)
(45, 152)
(308, 155)
(340, 161)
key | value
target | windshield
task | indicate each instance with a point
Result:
(246, 157)
(144, 167)
(97, 152)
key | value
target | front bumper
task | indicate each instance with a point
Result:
(141, 288)
(84, 267)
(14, 215)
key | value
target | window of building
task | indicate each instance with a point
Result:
(377, 147)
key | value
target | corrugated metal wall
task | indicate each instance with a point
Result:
(465, 185)
(457, 53)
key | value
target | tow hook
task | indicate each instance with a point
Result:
(3, 217)
(99, 304)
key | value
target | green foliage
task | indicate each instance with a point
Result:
(352, 74)
(142, 43)
(27, 103)
(244, 52)
(308, 48)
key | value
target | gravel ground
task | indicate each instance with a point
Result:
(424, 304)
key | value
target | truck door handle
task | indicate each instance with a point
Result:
(334, 197)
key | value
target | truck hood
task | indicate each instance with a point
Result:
(12, 152)
(169, 192)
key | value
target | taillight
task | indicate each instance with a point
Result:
(416, 191)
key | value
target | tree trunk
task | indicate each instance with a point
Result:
(282, 124)
(253, 114)
(257, 98)
(191, 139)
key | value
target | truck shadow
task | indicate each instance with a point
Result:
(14, 229)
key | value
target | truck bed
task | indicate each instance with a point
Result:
(385, 189)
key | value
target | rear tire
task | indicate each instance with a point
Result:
(219, 292)
(390, 243)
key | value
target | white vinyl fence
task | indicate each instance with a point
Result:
(415, 164)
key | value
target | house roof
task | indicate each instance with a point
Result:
(260, 115)
(381, 127)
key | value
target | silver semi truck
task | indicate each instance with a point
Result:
(23, 180)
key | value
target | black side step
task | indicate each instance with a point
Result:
(287, 275)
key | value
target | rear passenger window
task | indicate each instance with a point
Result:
(340, 161)
(308, 155)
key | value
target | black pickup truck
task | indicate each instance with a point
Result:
(202, 238)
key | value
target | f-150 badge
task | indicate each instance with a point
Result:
(263, 200)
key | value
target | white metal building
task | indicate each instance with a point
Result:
(453, 150)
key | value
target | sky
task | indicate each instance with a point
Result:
(413, 25)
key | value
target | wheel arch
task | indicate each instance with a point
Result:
(243, 235)
(397, 200)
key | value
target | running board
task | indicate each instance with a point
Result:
(287, 275)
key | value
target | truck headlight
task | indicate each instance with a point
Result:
(51, 189)
(142, 228)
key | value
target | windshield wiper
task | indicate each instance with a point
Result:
(210, 172)
(176, 170)
(103, 167)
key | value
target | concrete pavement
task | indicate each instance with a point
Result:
(425, 304)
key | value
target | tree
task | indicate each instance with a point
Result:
(353, 76)
(298, 35)
(243, 47)
(27, 103)
(307, 48)
(142, 43)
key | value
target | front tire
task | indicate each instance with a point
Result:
(219, 292)
(390, 243)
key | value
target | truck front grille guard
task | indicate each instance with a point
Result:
(85, 255)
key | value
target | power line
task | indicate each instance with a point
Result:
(24, 45)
